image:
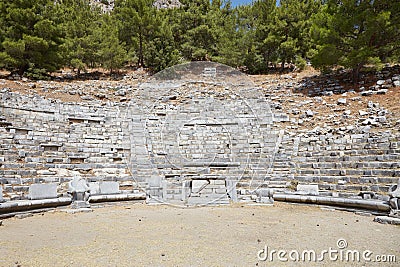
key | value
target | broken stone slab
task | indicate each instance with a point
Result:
(308, 189)
(120, 92)
(342, 101)
(394, 190)
(369, 122)
(309, 113)
(80, 204)
(382, 91)
(380, 82)
(367, 93)
(387, 220)
(42, 191)
(265, 195)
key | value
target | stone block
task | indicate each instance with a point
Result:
(42, 191)
(394, 191)
(1, 194)
(198, 185)
(308, 189)
(154, 181)
(109, 188)
(231, 190)
(185, 190)
(94, 188)
(265, 195)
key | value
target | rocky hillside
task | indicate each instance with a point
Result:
(307, 100)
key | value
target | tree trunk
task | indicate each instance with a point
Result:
(141, 60)
(356, 73)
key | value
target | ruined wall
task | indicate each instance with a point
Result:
(172, 133)
(48, 141)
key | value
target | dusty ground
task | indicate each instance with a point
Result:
(140, 235)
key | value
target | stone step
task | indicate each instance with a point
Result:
(344, 172)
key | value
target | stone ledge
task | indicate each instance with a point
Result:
(335, 201)
(25, 205)
(117, 197)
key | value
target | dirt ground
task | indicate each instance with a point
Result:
(134, 234)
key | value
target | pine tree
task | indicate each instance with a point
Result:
(30, 38)
(80, 23)
(138, 25)
(162, 51)
(355, 33)
(198, 38)
(111, 53)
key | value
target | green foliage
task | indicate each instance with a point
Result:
(80, 23)
(40, 36)
(138, 25)
(356, 33)
(300, 63)
(161, 51)
(111, 52)
(30, 38)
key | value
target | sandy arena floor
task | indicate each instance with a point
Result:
(141, 235)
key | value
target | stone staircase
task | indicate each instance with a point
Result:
(350, 163)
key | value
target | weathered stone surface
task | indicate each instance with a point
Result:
(235, 135)
(1, 194)
(43, 191)
(94, 188)
(154, 181)
(198, 185)
(265, 195)
(394, 191)
(342, 101)
(109, 187)
(308, 189)
(387, 220)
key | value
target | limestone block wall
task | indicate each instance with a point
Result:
(49, 141)
(349, 162)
